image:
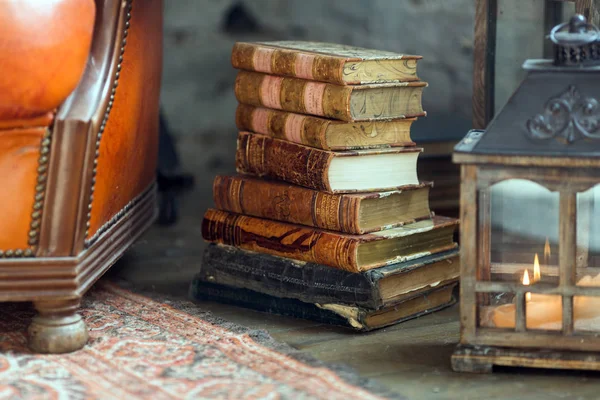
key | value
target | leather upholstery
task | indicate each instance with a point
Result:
(19, 154)
(44, 48)
(129, 145)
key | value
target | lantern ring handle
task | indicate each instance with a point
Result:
(592, 38)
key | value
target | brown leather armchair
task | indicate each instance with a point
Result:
(79, 89)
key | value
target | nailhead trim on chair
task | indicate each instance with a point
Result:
(119, 215)
(101, 131)
(38, 205)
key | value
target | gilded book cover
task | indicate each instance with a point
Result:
(345, 103)
(325, 62)
(371, 170)
(355, 253)
(285, 202)
(323, 133)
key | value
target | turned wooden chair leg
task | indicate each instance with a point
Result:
(58, 328)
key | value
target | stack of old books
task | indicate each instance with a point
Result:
(327, 218)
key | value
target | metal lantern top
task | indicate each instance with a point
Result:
(578, 46)
(555, 111)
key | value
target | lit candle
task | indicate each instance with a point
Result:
(547, 252)
(526, 283)
(537, 275)
(543, 311)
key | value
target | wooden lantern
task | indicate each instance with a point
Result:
(530, 237)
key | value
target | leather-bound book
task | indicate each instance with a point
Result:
(345, 103)
(326, 62)
(353, 317)
(333, 172)
(315, 283)
(354, 253)
(349, 213)
(323, 133)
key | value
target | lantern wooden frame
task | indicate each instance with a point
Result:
(482, 348)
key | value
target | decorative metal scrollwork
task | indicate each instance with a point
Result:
(567, 117)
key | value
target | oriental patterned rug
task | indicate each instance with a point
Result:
(143, 348)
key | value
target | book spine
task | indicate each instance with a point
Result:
(280, 239)
(264, 156)
(281, 202)
(297, 128)
(294, 95)
(282, 277)
(286, 62)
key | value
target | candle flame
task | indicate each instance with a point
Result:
(526, 278)
(526, 283)
(547, 250)
(537, 275)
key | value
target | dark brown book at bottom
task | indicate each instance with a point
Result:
(356, 318)
(313, 283)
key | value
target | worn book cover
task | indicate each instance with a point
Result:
(356, 318)
(355, 213)
(333, 172)
(323, 133)
(355, 253)
(326, 62)
(346, 103)
(316, 283)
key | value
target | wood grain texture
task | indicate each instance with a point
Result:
(527, 161)
(44, 52)
(483, 359)
(128, 149)
(51, 278)
(468, 252)
(568, 253)
(57, 328)
(483, 62)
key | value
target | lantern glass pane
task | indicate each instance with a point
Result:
(586, 309)
(522, 227)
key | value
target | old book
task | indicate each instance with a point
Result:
(322, 133)
(349, 213)
(315, 283)
(326, 62)
(334, 172)
(355, 253)
(353, 317)
(345, 103)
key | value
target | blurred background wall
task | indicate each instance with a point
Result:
(197, 91)
(199, 34)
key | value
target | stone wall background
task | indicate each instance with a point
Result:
(199, 34)
(197, 91)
